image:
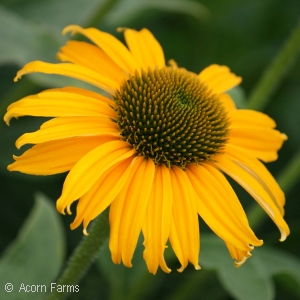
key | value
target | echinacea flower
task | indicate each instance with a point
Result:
(154, 150)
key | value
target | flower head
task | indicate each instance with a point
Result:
(154, 150)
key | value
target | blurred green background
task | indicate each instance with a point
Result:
(246, 35)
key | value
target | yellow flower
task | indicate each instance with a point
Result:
(154, 151)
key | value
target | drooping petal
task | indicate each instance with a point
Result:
(92, 57)
(253, 131)
(145, 48)
(70, 70)
(66, 127)
(241, 174)
(115, 214)
(156, 227)
(89, 169)
(240, 256)
(220, 208)
(260, 172)
(60, 103)
(184, 231)
(110, 45)
(261, 142)
(128, 210)
(219, 78)
(102, 193)
(50, 157)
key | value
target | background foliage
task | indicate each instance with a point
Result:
(246, 35)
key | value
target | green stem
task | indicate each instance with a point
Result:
(275, 72)
(287, 178)
(85, 253)
(99, 14)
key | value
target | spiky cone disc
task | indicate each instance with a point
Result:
(170, 116)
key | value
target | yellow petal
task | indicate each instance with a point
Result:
(227, 102)
(260, 172)
(241, 174)
(60, 103)
(84, 92)
(133, 201)
(184, 231)
(89, 169)
(70, 70)
(247, 117)
(220, 208)
(261, 142)
(66, 127)
(156, 227)
(102, 193)
(56, 156)
(219, 78)
(91, 57)
(115, 215)
(239, 255)
(145, 48)
(110, 45)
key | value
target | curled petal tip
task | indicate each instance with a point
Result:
(7, 121)
(284, 232)
(17, 77)
(66, 29)
(18, 144)
(85, 232)
(70, 28)
(239, 263)
(165, 268)
(283, 237)
(59, 208)
(180, 270)
(69, 210)
(197, 267)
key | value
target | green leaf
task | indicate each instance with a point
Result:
(26, 41)
(57, 14)
(190, 8)
(279, 262)
(36, 256)
(129, 9)
(250, 281)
